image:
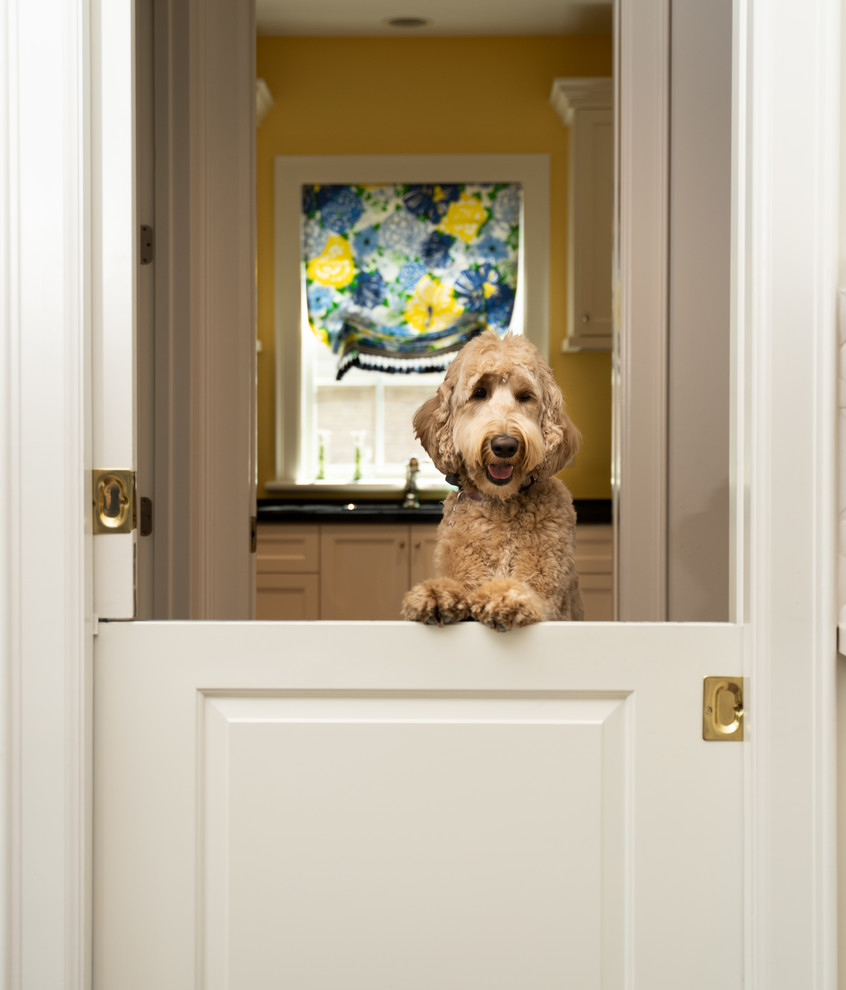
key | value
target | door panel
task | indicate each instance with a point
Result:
(382, 818)
(531, 809)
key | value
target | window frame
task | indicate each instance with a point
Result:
(291, 172)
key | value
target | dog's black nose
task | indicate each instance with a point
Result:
(504, 446)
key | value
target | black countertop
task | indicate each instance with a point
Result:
(272, 510)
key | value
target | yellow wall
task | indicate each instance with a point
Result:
(433, 96)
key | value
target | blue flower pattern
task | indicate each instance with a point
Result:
(339, 207)
(369, 289)
(431, 202)
(392, 234)
(436, 250)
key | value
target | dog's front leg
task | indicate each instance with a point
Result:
(504, 604)
(437, 602)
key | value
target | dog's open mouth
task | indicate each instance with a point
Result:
(499, 474)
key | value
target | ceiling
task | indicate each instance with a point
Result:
(471, 18)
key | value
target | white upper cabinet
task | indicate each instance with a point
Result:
(585, 106)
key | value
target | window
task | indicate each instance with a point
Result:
(361, 425)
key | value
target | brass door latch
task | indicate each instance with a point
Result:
(722, 709)
(114, 501)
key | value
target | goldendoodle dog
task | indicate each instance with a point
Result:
(505, 550)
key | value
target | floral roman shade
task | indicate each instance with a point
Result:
(399, 277)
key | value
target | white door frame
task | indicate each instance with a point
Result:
(45, 534)
(784, 305)
(204, 490)
(639, 359)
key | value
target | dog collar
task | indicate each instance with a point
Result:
(476, 496)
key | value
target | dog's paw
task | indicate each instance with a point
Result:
(437, 602)
(505, 605)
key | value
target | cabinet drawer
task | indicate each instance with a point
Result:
(594, 549)
(287, 549)
(287, 597)
(598, 597)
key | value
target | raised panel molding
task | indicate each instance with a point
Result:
(393, 828)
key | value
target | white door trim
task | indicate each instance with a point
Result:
(785, 265)
(784, 313)
(46, 609)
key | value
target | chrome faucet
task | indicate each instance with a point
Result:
(412, 500)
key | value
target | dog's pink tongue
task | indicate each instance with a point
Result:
(502, 472)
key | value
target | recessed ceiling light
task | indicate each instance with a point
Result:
(406, 22)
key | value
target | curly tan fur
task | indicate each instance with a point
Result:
(505, 552)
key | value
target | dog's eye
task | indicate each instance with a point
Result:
(525, 397)
(480, 393)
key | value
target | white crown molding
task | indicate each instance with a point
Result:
(587, 93)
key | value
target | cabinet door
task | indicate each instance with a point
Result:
(592, 202)
(287, 597)
(363, 571)
(422, 552)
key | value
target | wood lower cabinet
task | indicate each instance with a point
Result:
(361, 572)
(595, 567)
(288, 573)
(339, 571)
(364, 571)
(422, 553)
(292, 597)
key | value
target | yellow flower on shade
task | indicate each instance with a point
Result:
(335, 266)
(432, 307)
(464, 218)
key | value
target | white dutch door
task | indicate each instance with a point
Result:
(386, 805)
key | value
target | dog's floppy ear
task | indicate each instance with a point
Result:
(560, 437)
(432, 428)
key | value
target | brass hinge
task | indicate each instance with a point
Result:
(114, 501)
(722, 709)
